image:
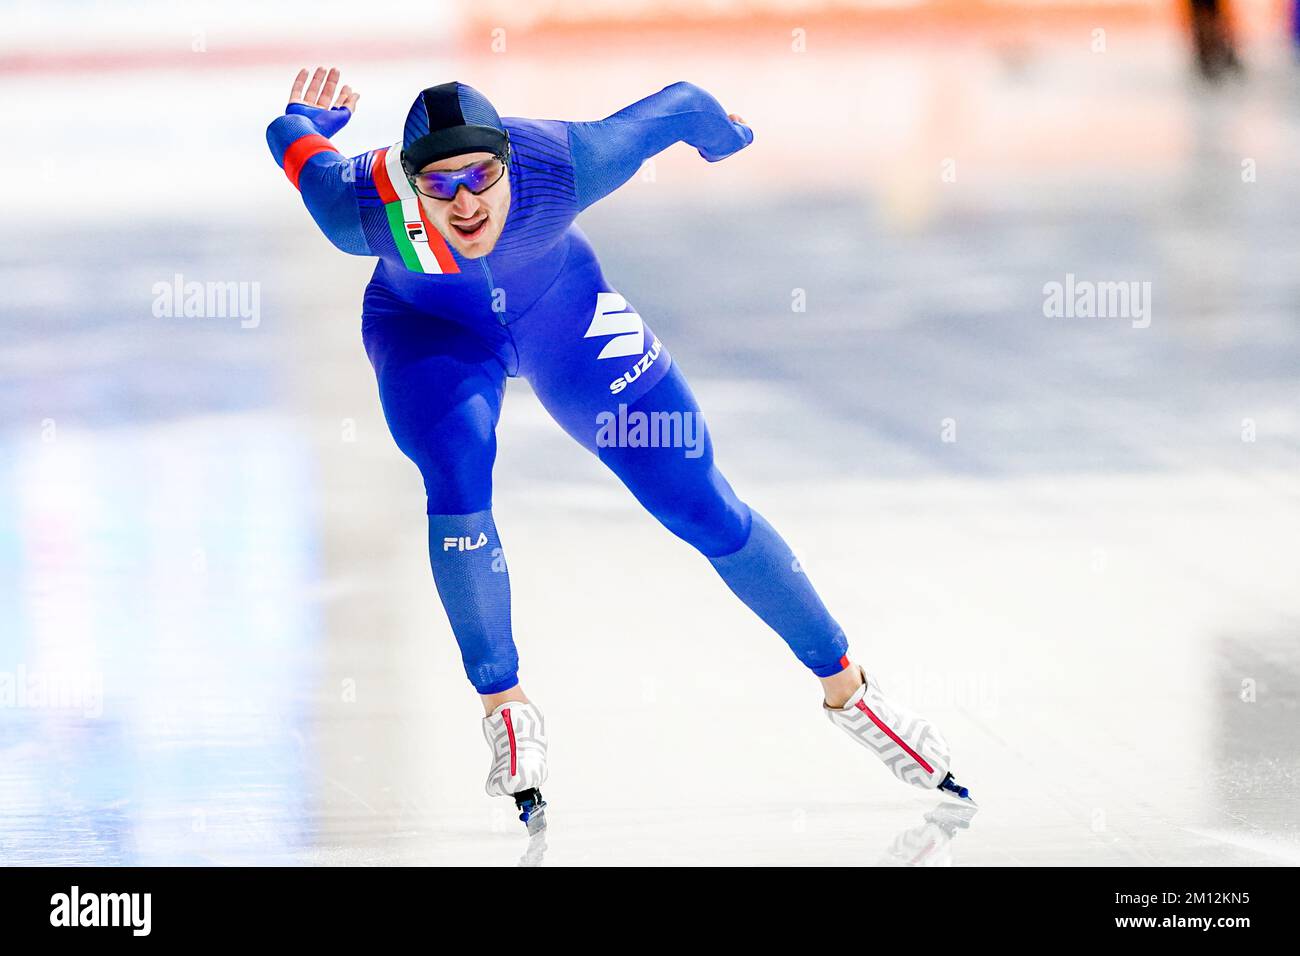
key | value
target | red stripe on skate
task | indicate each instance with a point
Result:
(510, 730)
(893, 736)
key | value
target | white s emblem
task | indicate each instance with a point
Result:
(612, 318)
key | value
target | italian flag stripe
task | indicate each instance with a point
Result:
(387, 167)
(393, 209)
(382, 184)
(437, 244)
(427, 252)
(405, 248)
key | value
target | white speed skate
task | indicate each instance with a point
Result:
(910, 746)
(516, 733)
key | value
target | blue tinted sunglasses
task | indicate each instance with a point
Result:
(477, 178)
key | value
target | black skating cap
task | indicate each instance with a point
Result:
(447, 120)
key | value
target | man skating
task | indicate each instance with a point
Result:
(482, 274)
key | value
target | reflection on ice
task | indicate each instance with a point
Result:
(930, 843)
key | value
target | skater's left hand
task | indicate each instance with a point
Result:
(314, 102)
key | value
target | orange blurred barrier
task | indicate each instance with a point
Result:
(838, 21)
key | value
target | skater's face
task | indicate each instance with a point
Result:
(471, 223)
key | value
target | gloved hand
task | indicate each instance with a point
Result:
(744, 132)
(315, 102)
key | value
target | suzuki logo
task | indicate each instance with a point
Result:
(613, 318)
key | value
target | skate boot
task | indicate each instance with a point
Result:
(913, 750)
(516, 733)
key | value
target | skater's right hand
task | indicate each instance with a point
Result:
(744, 136)
(314, 103)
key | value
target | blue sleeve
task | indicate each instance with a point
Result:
(607, 153)
(325, 180)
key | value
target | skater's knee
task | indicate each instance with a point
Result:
(457, 487)
(456, 500)
(456, 465)
(711, 522)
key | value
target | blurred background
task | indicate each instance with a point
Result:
(1068, 535)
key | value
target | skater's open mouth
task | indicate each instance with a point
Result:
(471, 228)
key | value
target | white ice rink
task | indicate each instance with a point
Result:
(208, 535)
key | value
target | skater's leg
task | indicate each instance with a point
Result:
(591, 358)
(678, 482)
(592, 362)
(668, 465)
(683, 488)
(441, 393)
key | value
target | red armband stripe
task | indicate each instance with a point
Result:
(301, 150)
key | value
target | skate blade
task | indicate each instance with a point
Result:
(536, 822)
(952, 790)
(532, 809)
(966, 801)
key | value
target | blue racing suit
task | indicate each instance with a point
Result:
(443, 332)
